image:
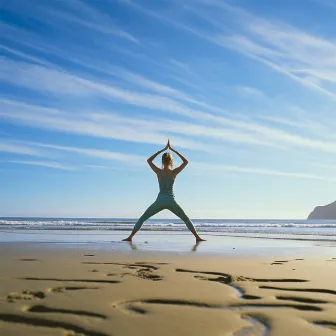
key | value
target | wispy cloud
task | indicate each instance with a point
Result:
(101, 167)
(69, 14)
(260, 171)
(61, 83)
(13, 148)
(32, 148)
(329, 3)
(281, 47)
(89, 17)
(47, 164)
(156, 87)
(54, 81)
(328, 166)
(104, 167)
(45, 79)
(97, 153)
(25, 56)
(311, 78)
(111, 126)
(117, 73)
(137, 161)
(186, 128)
(37, 77)
(293, 122)
(250, 91)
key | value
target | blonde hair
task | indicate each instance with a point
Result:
(167, 159)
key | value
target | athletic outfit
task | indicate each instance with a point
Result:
(165, 200)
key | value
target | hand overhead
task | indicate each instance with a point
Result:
(167, 146)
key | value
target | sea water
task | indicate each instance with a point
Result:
(266, 228)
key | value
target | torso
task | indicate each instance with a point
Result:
(166, 182)
(166, 173)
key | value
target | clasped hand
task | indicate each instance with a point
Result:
(168, 146)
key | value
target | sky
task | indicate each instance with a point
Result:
(245, 89)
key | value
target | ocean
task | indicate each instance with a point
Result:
(324, 230)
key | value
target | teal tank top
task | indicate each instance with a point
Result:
(166, 184)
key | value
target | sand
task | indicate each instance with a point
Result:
(51, 290)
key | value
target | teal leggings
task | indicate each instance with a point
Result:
(164, 202)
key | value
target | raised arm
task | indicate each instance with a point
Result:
(150, 160)
(183, 165)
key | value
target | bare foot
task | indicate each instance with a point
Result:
(200, 240)
(129, 239)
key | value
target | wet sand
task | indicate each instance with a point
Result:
(52, 290)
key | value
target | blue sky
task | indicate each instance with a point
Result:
(246, 89)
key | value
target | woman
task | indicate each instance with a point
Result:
(166, 198)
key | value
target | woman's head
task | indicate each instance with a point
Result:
(167, 160)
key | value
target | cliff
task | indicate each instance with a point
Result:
(324, 212)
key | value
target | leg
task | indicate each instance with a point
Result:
(178, 211)
(151, 211)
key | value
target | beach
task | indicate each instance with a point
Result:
(165, 284)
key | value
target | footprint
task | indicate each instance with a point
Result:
(229, 278)
(250, 297)
(300, 299)
(279, 305)
(71, 288)
(311, 290)
(136, 265)
(220, 279)
(25, 295)
(281, 280)
(137, 310)
(148, 276)
(150, 263)
(28, 259)
(73, 280)
(41, 322)
(328, 324)
(145, 272)
(143, 269)
(175, 302)
(44, 309)
(130, 266)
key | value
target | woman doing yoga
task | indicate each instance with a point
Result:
(165, 198)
